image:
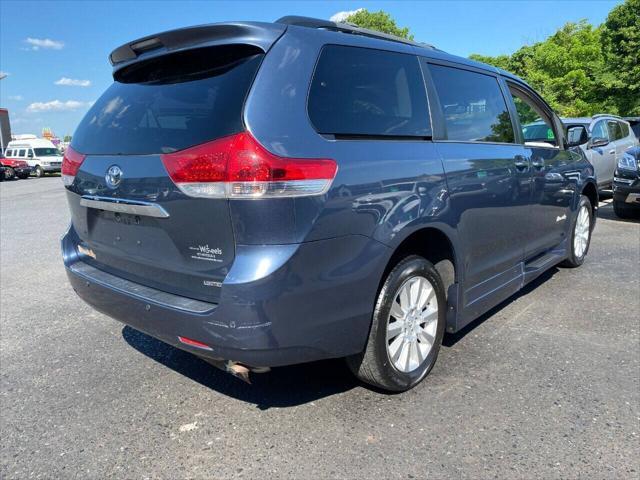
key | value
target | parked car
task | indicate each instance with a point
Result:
(14, 168)
(3, 169)
(607, 138)
(626, 184)
(264, 194)
(39, 153)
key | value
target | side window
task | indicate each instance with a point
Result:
(535, 123)
(30, 153)
(8, 153)
(360, 91)
(625, 129)
(473, 106)
(615, 132)
(600, 130)
(22, 153)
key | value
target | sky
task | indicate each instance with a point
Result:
(55, 53)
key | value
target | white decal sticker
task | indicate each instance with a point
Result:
(559, 219)
(204, 252)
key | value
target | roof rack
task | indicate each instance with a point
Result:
(346, 28)
(598, 115)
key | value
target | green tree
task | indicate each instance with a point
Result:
(380, 21)
(566, 69)
(67, 138)
(501, 61)
(582, 69)
(621, 46)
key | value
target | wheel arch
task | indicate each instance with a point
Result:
(590, 190)
(433, 244)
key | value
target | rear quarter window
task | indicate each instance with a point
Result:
(625, 129)
(170, 104)
(360, 91)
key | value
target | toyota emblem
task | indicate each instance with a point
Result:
(113, 176)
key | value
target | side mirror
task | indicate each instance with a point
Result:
(599, 142)
(576, 135)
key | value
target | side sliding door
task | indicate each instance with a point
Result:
(488, 177)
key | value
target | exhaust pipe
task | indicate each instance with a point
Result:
(236, 369)
(230, 366)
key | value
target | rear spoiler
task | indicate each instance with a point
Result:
(258, 34)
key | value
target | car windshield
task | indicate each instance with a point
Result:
(46, 152)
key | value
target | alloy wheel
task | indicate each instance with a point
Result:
(412, 324)
(581, 233)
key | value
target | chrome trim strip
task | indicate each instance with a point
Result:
(626, 181)
(120, 205)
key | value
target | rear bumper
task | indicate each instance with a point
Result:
(51, 168)
(316, 304)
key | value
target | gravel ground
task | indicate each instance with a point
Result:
(546, 385)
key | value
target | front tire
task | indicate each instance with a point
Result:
(9, 174)
(622, 211)
(580, 234)
(407, 327)
(39, 172)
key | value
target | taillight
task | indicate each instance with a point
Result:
(70, 164)
(239, 167)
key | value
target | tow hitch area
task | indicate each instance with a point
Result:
(236, 369)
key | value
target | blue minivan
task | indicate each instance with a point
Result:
(264, 194)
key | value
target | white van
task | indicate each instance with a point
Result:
(41, 155)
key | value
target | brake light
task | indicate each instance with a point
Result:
(70, 164)
(194, 343)
(237, 166)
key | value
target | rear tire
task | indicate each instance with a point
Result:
(407, 328)
(581, 229)
(39, 171)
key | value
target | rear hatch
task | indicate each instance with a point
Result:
(131, 218)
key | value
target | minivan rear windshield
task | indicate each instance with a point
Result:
(171, 104)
